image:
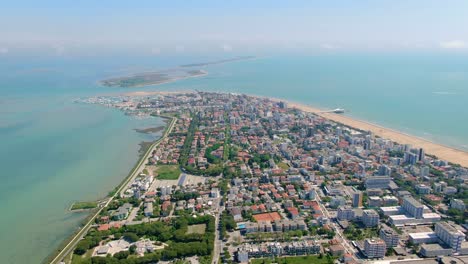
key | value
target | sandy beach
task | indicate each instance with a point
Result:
(440, 151)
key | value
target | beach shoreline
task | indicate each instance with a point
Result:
(441, 151)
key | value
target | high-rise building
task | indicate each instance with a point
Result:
(413, 207)
(357, 199)
(390, 236)
(345, 213)
(384, 170)
(411, 158)
(421, 154)
(377, 182)
(370, 218)
(449, 235)
(424, 171)
(374, 248)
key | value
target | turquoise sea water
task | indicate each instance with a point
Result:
(54, 151)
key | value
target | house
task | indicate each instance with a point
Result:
(293, 212)
(148, 211)
(121, 212)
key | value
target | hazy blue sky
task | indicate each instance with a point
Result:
(156, 27)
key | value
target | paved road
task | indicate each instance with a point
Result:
(349, 248)
(217, 243)
(67, 249)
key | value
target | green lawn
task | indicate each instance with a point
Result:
(294, 260)
(283, 165)
(167, 172)
(196, 229)
(83, 205)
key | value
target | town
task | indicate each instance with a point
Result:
(243, 179)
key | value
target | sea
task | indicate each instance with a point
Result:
(54, 151)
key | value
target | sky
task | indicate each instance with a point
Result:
(164, 27)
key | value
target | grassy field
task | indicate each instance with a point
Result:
(293, 260)
(196, 229)
(83, 205)
(167, 172)
(283, 165)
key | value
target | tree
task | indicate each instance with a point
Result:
(132, 249)
(121, 255)
(82, 247)
(131, 237)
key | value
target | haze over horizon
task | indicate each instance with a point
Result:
(180, 27)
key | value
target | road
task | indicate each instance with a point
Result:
(67, 249)
(217, 242)
(349, 248)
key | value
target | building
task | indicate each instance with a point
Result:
(413, 207)
(345, 213)
(457, 204)
(214, 193)
(450, 235)
(401, 219)
(121, 212)
(374, 248)
(148, 211)
(357, 199)
(370, 218)
(374, 201)
(384, 170)
(423, 189)
(337, 201)
(390, 236)
(434, 250)
(423, 237)
(337, 250)
(377, 182)
(424, 171)
(421, 154)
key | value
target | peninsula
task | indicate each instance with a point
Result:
(166, 76)
(238, 178)
(152, 78)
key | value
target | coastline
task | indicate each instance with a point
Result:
(441, 151)
(67, 246)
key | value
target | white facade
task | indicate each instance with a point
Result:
(375, 248)
(450, 235)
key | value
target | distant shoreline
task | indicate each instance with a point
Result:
(153, 78)
(141, 80)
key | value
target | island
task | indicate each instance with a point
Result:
(165, 76)
(152, 78)
(246, 179)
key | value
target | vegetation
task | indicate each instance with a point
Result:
(210, 157)
(181, 242)
(355, 233)
(283, 165)
(83, 205)
(458, 216)
(227, 224)
(168, 172)
(196, 229)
